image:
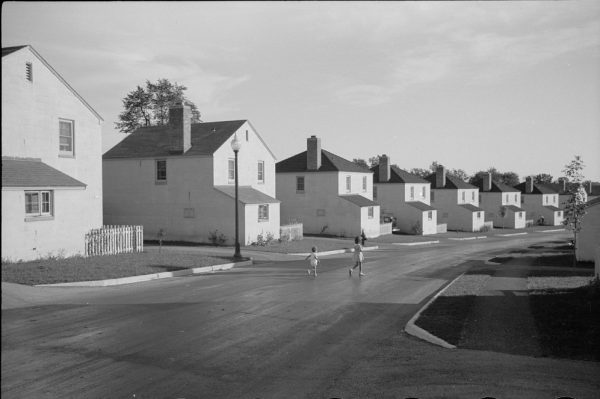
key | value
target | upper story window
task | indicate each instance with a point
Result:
(472, 195)
(546, 197)
(412, 193)
(348, 184)
(29, 71)
(423, 192)
(506, 197)
(38, 203)
(516, 197)
(263, 213)
(463, 196)
(261, 172)
(554, 199)
(66, 138)
(246, 135)
(231, 170)
(299, 184)
(161, 171)
(364, 188)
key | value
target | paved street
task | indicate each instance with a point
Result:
(270, 331)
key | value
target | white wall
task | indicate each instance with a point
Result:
(589, 236)
(394, 199)
(356, 180)
(30, 128)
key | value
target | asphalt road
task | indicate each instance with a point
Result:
(270, 331)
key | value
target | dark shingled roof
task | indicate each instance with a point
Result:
(397, 175)
(552, 208)
(593, 202)
(247, 195)
(154, 141)
(471, 207)
(452, 183)
(359, 200)
(537, 189)
(421, 206)
(496, 187)
(30, 172)
(329, 163)
(513, 208)
(9, 50)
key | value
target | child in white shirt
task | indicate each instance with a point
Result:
(313, 261)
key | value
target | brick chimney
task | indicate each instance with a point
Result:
(180, 127)
(563, 183)
(384, 168)
(590, 188)
(529, 185)
(487, 182)
(440, 177)
(313, 153)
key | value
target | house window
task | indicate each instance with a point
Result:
(65, 137)
(29, 71)
(430, 215)
(38, 203)
(546, 197)
(520, 215)
(263, 213)
(161, 170)
(423, 193)
(478, 215)
(246, 135)
(348, 184)
(559, 214)
(472, 195)
(261, 172)
(516, 198)
(507, 198)
(412, 193)
(364, 184)
(231, 170)
(374, 192)
(299, 184)
(370, 212)
(463, 196)
(554, 199)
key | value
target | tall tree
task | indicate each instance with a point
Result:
(149, 105)
(575, 207)
(360, 162)
(542, 178)
(509, 178)
(422, 173)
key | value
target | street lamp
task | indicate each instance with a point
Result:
(235, 146)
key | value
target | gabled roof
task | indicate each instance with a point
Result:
(155, 141)
(397, 175)
(552, 208)
(9, 50)
(452, 183)
(594, 202)
(32, 172)
(513, 208)
(471, 207)
(329, 163)
(359, 200)
(496, 187)
(421, 206)
(247, 195)
(537, 189)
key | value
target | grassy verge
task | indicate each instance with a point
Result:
(568, 321)
(446, 316)
(66, 270)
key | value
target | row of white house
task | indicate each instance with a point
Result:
(179, 179)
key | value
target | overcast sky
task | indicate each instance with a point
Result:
(514, 85)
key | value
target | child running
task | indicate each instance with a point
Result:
(358, 258)
(314, 261)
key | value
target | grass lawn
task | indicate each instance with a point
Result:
(323, 244)
(66, 270)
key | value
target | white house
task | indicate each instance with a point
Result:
(180, 179)
(51, 160)
(501, 203)
(327, 193)
(588, 240)
(540, 202)
(405, 196)
(457, 201)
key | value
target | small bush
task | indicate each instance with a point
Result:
(484, 229)
(217, 238)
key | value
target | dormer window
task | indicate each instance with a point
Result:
(29, 71)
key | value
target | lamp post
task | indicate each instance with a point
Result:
(235, 146)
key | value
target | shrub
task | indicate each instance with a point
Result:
(484, 229)
(217, 238)
(417, 228)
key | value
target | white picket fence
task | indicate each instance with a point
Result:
(112, 240)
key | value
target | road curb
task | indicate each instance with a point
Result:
(149, 277)
(466, 238)
(416, 243)
(337, 251)
(511, 234)
(549, 231)
(412, 329)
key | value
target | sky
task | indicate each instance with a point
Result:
(471, 85)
